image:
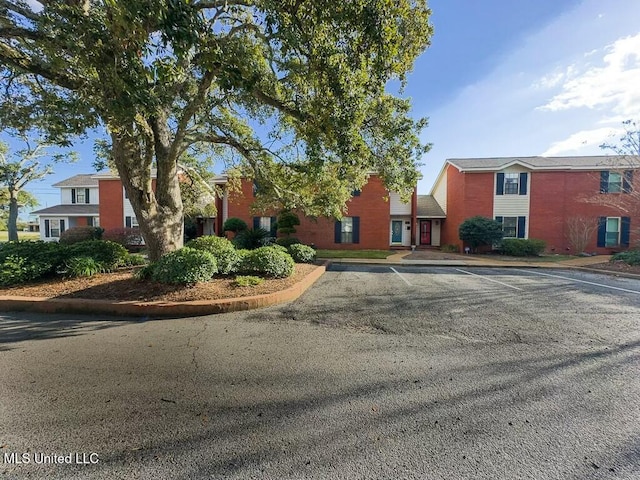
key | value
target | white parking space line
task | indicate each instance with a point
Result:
(403, 279)
(488, 279)
(580, 281)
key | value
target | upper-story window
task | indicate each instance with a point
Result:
(511, 183)
(616, 182)
(79, 195)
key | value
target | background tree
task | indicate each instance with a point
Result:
(580, 231)
(293, 92)
(478, 231)
(16, 171)
(287, 222)
(25, 200)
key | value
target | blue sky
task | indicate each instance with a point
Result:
(509, 78)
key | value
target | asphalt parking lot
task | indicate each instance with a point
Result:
(375, 372)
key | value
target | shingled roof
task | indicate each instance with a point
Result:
(73, 209)
(428, 206)
(80, 180)
(547, 163)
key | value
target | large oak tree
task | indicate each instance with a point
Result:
(294, 92)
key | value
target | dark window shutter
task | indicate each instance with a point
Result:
(604, 182)
(602, 231)
(356, 229)
(61, 226)
(337, 232)
(500, 184)
(625, 228)
(86, 195)
(522, 221)
(127, 222)
(256, 222)
(499, 220)
(523, 184)
(274, 226)
(73, 195)
(47, 229)
(627, 181)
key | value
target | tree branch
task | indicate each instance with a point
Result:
(18, 10)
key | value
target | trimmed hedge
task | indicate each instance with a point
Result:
(222, 249)
(80, 234)
(520, 247)
(130, 238)
(24, 261)
(183, 266)
(302, 253)
(630, 257)
(287, 241)
(268, 261)
(110, 254)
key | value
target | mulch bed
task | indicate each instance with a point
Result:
(121, 286)
(617, 267)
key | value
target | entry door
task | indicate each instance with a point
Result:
(396, 231)
(425, 232)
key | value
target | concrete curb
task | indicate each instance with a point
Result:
(160, 309)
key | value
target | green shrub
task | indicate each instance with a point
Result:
(184, 266)
(287, 222)
(82, 267)
(287, 241)
(222, 249)
(630, 257)
(478, 230)
(450, 248)
(110, 254)
(234, 224)
(251, 239)
(134, 260)
(302, 253)
(129, 238)
(80, 234)
(24, 261)
(247, 281)
(520, 247)
(145, 273)
(268, 261)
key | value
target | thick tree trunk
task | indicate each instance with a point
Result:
(12, 222)
(160, 215)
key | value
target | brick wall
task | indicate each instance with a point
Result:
(111, 204)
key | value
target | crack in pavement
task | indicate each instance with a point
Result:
(196, 347)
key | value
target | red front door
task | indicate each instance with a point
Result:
(425, 232)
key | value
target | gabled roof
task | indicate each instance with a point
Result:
(80, 180)
(428, 206)
(73, 209)
(546, 163)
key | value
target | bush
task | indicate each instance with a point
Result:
(222, 249)
(247, 281)
(520, 247)
(450, 248)
(80, 234)
(129, 238)
(251, 239)
(268, 261)
(302, 253)
(287, 241)
(24, 261)
(184, 266)
(134, 260)
(477, 231)
(110, 254)
(234, 224)
(82, 267)
(286, 223)
(630, 257)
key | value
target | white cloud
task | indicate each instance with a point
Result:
(613, 85)
(580, 141)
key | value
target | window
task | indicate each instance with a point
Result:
(79, 195)
(265, 223)
(131, 222)
(612, 237)
(513, 227)
(511, 183)
(53, 227)
(616, 182)
(347, 230)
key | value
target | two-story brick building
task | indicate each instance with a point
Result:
(536, 197)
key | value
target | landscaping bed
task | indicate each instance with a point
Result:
(620, 267)
(122, 286)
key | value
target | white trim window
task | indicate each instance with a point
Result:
(53, 227)
(346, 231)
(612, 238)
(511, 183)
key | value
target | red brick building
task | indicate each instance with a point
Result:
(537, 197)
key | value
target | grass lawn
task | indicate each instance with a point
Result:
(541, 258)
(4, 236)
(353, 253)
